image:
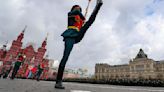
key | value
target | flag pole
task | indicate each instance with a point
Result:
(86, 11)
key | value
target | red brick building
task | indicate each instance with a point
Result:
(32, 57)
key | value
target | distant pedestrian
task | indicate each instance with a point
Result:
(32, 73)
(7, 72)
(2, 71)
(17, 65)
(40, 70)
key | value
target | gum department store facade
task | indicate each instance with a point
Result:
(141, 67)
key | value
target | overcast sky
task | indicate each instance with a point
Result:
(121, 28)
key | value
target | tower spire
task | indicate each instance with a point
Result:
(46, 36)
(45, 41)
(21, 35)
(24, 29)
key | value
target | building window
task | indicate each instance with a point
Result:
(132, 68)
(139, 67)
(147, 66)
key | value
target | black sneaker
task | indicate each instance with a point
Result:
(59, 86)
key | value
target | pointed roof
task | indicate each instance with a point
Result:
(31, 46)
(21, 35)
(45, 41)
(141, 54)
(46, 36)
(29, 50)
(24, 29)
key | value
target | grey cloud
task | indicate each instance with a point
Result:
(114, 38)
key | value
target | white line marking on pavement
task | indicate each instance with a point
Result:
(79, 91)
(132, 89)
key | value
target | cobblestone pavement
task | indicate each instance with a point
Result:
(19, 85)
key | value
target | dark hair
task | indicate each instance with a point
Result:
(75, 7)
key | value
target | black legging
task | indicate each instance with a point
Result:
(38, 74)
(15, 70)
(69, 43)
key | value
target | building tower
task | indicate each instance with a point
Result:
(41, 52)
(141, 54)
(15, 47)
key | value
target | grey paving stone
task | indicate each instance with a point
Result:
(19, 85)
